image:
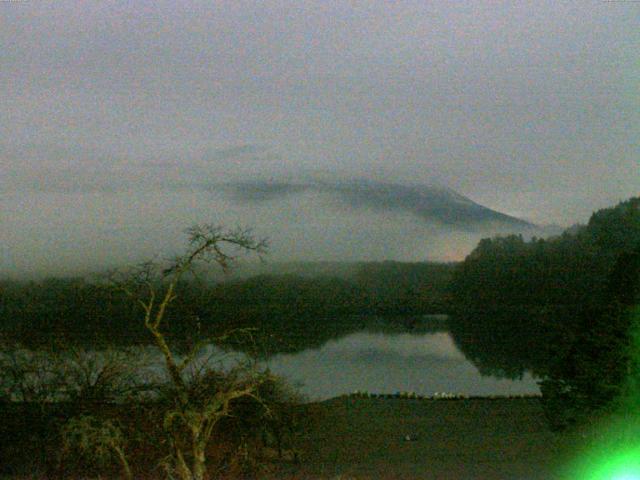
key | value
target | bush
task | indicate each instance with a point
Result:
(96, 442)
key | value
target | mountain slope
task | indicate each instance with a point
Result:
(430, 203)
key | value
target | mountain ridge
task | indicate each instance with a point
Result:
(431, 203)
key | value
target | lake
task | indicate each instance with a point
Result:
(424, 363)
(421, 358)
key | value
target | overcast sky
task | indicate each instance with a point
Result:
(529, 108)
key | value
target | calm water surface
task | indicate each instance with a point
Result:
(376, 362)
(424, 363)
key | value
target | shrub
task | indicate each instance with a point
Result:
(96, 441)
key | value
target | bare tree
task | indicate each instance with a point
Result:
(153, 285)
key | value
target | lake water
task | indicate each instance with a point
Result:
(424, 363)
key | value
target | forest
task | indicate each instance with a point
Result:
(288, 311)
(564, 308)
(507, 293)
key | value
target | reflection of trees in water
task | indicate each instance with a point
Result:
(285, 314)
(293, 335)
(509, 341)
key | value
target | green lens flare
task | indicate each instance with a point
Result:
(611, 451)
(609, 465)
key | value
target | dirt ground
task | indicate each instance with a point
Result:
(351, 438)
(488, 439)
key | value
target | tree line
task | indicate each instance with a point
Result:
(562, 308)
(288, 311)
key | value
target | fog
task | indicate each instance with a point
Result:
(122, 122)
(85, 231)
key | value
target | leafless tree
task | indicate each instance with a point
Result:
(153, 285)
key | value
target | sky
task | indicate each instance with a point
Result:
(112, 113)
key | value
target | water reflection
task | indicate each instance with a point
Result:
(387, 363)
(377, 362)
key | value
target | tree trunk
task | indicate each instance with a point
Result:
(183, 470)
(199, 458)
(172, 368)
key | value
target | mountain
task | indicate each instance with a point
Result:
(430, 203)
(114, 221)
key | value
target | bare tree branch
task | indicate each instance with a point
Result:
(153, 287)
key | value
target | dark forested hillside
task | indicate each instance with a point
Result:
(571, 269)
(539, 305)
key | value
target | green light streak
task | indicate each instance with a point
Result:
(613, 453)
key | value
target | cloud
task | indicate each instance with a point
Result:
(262, 191)
(235, 152)
(145, 110)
